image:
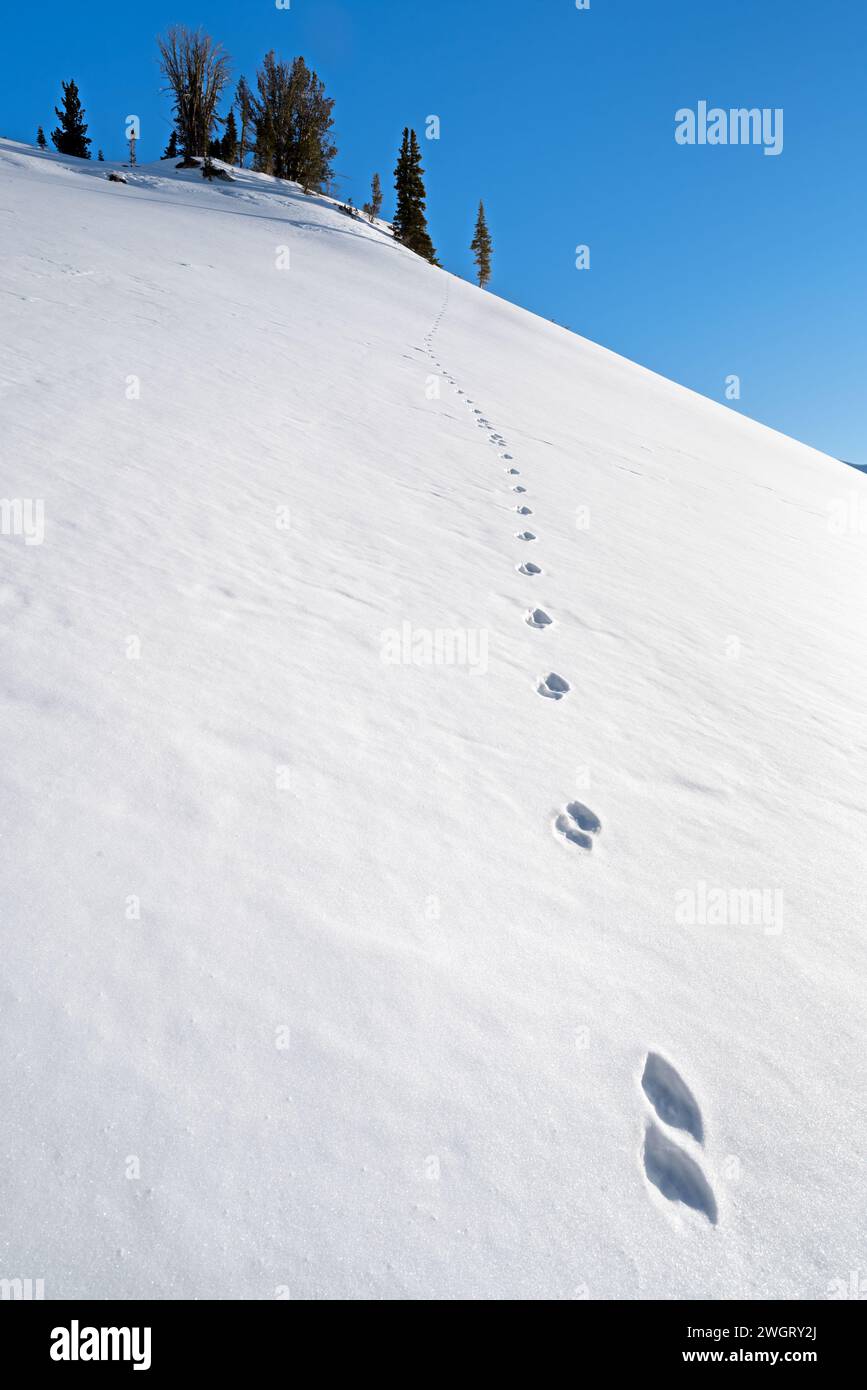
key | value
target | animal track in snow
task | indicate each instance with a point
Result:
(519, 488)
(507, 457)
(529, 568)
(539, 618)
(670, 1096)
(524, 511)
(514, 472)
(677, 1176)
(578, 824)
(526, 536)
(554, 687)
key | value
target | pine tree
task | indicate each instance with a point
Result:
(70, 137)
(229, 143)
(374, 207)
(171, 150)
(293, 120)
(312, 151)
(245, 104)
(40, 138)
(100, 156)
(482, 247)
(410, 220)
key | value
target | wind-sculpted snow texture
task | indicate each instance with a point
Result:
(432, 807)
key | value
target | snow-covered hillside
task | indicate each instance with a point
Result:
(433, 803)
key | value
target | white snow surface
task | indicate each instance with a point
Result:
(379, 1028)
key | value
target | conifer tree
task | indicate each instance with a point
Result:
(100, 156)
(246, 110)
(71, 137)
(229, 143)
(374, 207)
(40, 138)
(293, 120)
(401, 218)
(171, 150)
(410, 220)
(482, 247)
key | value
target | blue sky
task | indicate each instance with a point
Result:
(705, 262)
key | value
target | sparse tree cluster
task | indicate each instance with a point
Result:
(286, 122)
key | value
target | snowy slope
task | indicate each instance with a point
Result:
(380, 1027)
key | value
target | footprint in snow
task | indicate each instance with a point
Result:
(578, 824)
(514, 472)
(537, 617)
(677, 1176)
(526, 536)
(519, 488)
(529, 568)
(507, 457)
(554, 687)
(524, 511)
(670, 1096)
(669, 1167)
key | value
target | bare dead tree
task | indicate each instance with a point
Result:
(197, 72)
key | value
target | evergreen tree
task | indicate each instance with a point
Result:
(293, 120)
(374, 207)
(70, 137)
(100, 156)
(312, 151)
(401, 184)
(229, 143)
(40, 138)
(482, 247)
(246, 110)
(410, 220)
(171, 150)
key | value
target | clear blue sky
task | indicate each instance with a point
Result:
(704, 261)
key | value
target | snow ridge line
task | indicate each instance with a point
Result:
(576, 824)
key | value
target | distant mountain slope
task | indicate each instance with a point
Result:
(433, 808)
